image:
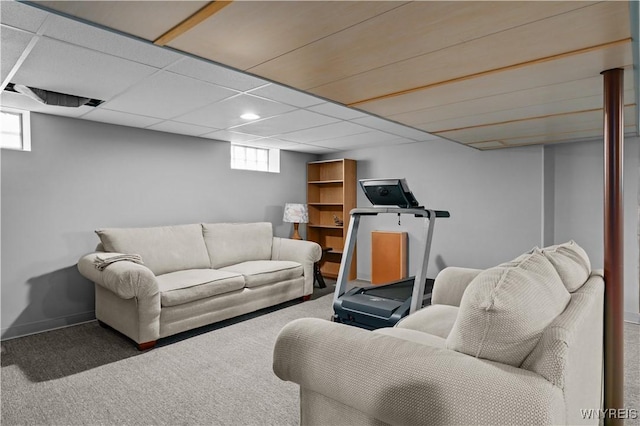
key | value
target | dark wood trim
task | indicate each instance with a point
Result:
(613, 243)
(307, 297)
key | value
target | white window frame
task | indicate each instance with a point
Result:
(273, 159)
(25, 128)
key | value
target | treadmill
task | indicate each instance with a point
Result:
(379, 306)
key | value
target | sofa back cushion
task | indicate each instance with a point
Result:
(163, 249)
(571, 262)
(505, 309)
(231, 243)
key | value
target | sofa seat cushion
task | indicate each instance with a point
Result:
(181, 287)
(437, 320)
(163, 249)
(261, 272)
(505, 309)
(413, 336)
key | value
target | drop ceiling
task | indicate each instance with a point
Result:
(329, 76)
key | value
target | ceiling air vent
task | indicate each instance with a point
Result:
(48, 97)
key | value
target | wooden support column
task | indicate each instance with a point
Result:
(613, 244)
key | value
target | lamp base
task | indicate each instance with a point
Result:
(296, 234)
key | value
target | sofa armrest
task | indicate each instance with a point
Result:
(450, 284)
(403, 382)
(304, 252)
(125, 279)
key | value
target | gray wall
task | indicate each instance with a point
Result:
(493, 197)
(577, 194)
(504, 202)
(82, 175)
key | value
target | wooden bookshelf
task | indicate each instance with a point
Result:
(331, 191)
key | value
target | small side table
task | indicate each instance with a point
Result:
(317, 275)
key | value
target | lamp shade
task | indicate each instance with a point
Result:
(296, 213)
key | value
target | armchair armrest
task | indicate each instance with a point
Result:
(450, 284)
(403, 382)
(125, 279)
(304, 252)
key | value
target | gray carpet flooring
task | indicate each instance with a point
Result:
(217, 375)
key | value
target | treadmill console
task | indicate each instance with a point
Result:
(389, 192)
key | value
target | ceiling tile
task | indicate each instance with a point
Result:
(361, 140)
(65, 68)
(121, 118)
(167, 95)
(129, 16)
(337, 111)
(227, 113)
(330, 131)
(285, 123)
(13, 44)
(216, 74)
(396, 129)
(180, 128)
(286, 95)
(22, 16)
(490, 144)
(272, 143)
(226, 135)
(95, 38)
(17, 100)
(312, 149)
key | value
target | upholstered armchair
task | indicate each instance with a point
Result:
(520, 343)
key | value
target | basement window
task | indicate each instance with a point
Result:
(254, 158)
(15, 129)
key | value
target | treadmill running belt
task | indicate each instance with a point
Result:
(399, 291)
(374, 305)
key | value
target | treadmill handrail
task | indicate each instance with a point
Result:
(416, 211)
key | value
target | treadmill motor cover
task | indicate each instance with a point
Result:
(389, 192)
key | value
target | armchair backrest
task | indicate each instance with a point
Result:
(569, 353)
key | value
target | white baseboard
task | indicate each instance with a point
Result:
(633, 317)
(21, 330)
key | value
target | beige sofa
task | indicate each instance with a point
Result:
(194, 275)
(520, 343)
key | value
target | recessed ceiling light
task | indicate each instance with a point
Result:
(249, 116)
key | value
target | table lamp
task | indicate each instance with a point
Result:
(296, 213)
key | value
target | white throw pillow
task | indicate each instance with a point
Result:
(505, 309)
(571, 262)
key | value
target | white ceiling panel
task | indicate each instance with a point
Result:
(287, 96)
(13, 44)
(227, 113)
(312, 149)
(337, 111)
(61, 67)
(272, 143)
(71, 31)
(216, 74)
(121, 118)
(21, 15)
(360, 140)
(17, 100)
(167, 95)
(396, 129)
(285, 123)
(330, 131)
(226, 135)
(181, 128)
